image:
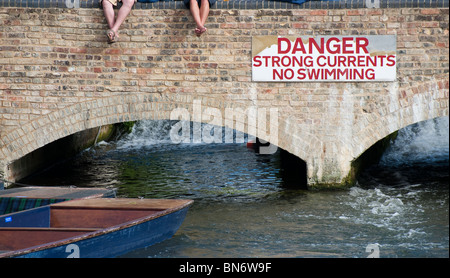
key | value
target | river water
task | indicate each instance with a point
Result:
(245, 204)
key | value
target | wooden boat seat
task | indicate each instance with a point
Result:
(63, 217)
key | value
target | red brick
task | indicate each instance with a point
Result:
(113, 64)
(113, 51)
(319, 12)
(78, 50)
(193, 65)
(430, 11)
(356, 12)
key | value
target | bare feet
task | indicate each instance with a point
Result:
(200, 30)
(111, 36)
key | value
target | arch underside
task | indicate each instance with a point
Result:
(124, 108)
(426, 105)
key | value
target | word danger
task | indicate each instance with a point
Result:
(325, 59)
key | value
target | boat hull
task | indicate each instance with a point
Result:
(116, 243)
(96, 228)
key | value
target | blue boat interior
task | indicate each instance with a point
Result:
(46, 224)
(37, 218)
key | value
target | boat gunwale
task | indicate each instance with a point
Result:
(95, 233)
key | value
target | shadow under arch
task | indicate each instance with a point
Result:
(417, 155)
(146, 156)
(388, 149)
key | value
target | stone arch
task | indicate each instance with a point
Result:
(122, 108)
(415, 104)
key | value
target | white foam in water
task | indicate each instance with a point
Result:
(377, 208)
(424, 141)
(375, 202)
(171, 132)
(146, 133)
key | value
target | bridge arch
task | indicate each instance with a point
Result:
(133, 107)
(409, 106)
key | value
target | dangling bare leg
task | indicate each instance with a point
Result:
(114, 25)
(195, 12)
(108, 11)
(204, 11)
(200, 14)
(122, 15)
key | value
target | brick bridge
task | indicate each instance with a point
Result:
(58, 75)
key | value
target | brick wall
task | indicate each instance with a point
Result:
(55, 65)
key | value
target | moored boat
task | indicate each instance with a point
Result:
(90, 228)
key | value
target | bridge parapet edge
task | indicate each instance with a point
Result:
(239, 4)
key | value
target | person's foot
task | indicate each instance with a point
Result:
(200, 30)
(111, 35)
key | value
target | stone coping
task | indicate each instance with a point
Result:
(239, 4)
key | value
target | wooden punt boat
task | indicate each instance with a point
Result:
(90, 228)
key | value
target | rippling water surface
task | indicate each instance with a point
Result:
(245, 205)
